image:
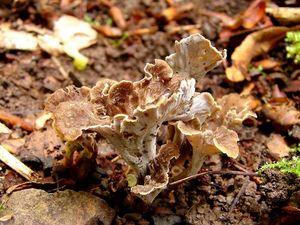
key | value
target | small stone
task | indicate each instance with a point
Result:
(33, 206)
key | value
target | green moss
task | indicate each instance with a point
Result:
(293, 48)
(295, 149)
(118, 42)
(2, 206)
(285, 166)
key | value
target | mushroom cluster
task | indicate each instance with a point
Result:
(129, 115)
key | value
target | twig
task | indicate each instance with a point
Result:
(17, 165)
(60, 67)
(175, 29)
(236, 199)
(15, 120)
(143, 31)
(230, 172)
(116, 158)
(242, 168)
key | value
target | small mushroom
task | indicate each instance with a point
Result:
(215, 133)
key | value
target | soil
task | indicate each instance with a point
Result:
(28, 78)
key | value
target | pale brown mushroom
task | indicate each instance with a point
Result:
(129, 114)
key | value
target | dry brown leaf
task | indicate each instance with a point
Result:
(18, 40)
(175, 12)
(277, 146)
(113, 32)
(268, 63)
(229, 22)
(282, 114)
(4, 129)
(248, 89)
(118, 17)
(42, 119)
(292, 86)
(255, 44)
(12, 145)
(249, 19)
(70, 35)
(143, 31)
(285, 15)
(254, 14)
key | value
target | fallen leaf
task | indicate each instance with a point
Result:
(254, 14)
(191, 28)
(108, 31)
(247, 89)
(277, 146)
(282, 114)
(42, 119)
(255, 44)
(292, 86)
(50, 43)
(268, 63)
(4, 129)
(74, 32)
(17, 40)
(248, 19)
(6, 217)
(277, 95)
(227, 21)
(285, 15)
(175, 12)
(12, 145)
(143, 31)
(70, 35)
(118, 17)
(15, 120)
(236, 74)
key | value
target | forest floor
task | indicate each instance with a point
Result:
(271, 80)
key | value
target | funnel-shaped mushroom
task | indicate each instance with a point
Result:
(129, 114)
(216, 133)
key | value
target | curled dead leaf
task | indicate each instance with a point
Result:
(277, 146)
(175, 12)
(254, 14)
(282, 114)
(4, 129)
(17, 40)
(70, 35)
(254, 44)
(285, 15)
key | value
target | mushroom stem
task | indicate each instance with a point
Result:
(198, 160)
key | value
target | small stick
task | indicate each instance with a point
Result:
(15, 120)
(118, 17)
(236, 199)
(230, 172)
(17, 165)
(143, 31)
(116, 13)
(60, 67)
(116, 158)
(242, 168)
(175, 29)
